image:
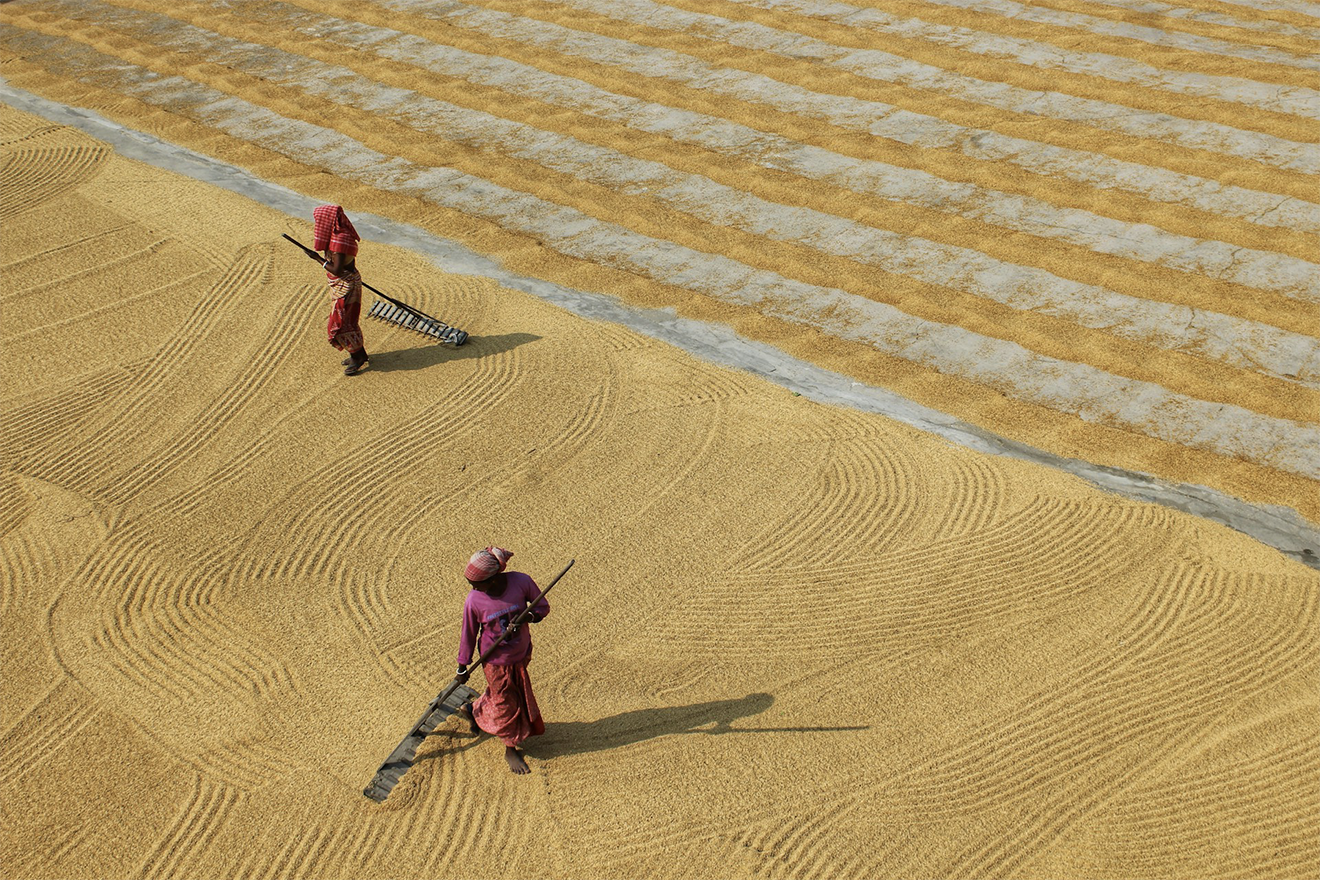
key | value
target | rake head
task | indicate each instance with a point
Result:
(401, 759)
(383, 310)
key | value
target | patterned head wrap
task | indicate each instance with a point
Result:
(487, 563)
(332, 228)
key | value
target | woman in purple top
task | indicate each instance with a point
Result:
(508, 708)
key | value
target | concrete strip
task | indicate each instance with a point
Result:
(903, 126)
(1240, 343)
(1125, 30)
(886, 67)
(1073, 388)
(1301, 7)
(1279, 527)
(1205, 16)
(1033, 53)
(770, 150)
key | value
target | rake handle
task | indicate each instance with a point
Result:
(320, 261)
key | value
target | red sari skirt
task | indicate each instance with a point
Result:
(508, 708)
(342, 328)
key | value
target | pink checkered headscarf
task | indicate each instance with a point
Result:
(332, 228)
(487, 563)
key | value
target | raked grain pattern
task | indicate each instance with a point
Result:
(1108, 252)
(799, 641)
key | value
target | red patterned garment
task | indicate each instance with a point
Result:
(508, 708)
(334, 231)
(343, 329)
(487, 563)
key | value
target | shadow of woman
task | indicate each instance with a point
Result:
(713, 718)
(429, 355)
(626, 728)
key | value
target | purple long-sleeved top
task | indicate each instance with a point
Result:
(490, 615)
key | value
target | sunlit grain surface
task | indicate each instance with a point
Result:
(799, 641)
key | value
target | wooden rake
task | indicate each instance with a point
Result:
(387, 308)
(445, 704)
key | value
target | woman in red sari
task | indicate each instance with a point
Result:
(334, 234)
(508, 708)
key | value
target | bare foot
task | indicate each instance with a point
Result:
(466, 711)
(516, 762)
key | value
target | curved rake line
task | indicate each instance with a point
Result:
(51, 253)
(233, 470)
(384, 521)
(105, 309)
(25, 559)
(904, 484)
(161, 366)
(999, 551)
(861, 798)
(150, 644)
(299, 854)
(1265, 801)
(405, 446)
(27, 175)
(912, 560)
(700, 385)
(61, 843)
(313, 538)
(830, 507)
(1305, 752)
(116, 262)
(1011, 851)
(243, 766)
(143, 391)
(21, 132)
(977, 494)
(216, 415)
(159, 623)
(475, 838)
(1156, 614)
(58, 412)
(693, 460)
(363, 601)
(27, 749)
(192, 831)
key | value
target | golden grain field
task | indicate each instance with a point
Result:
(799, 640)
